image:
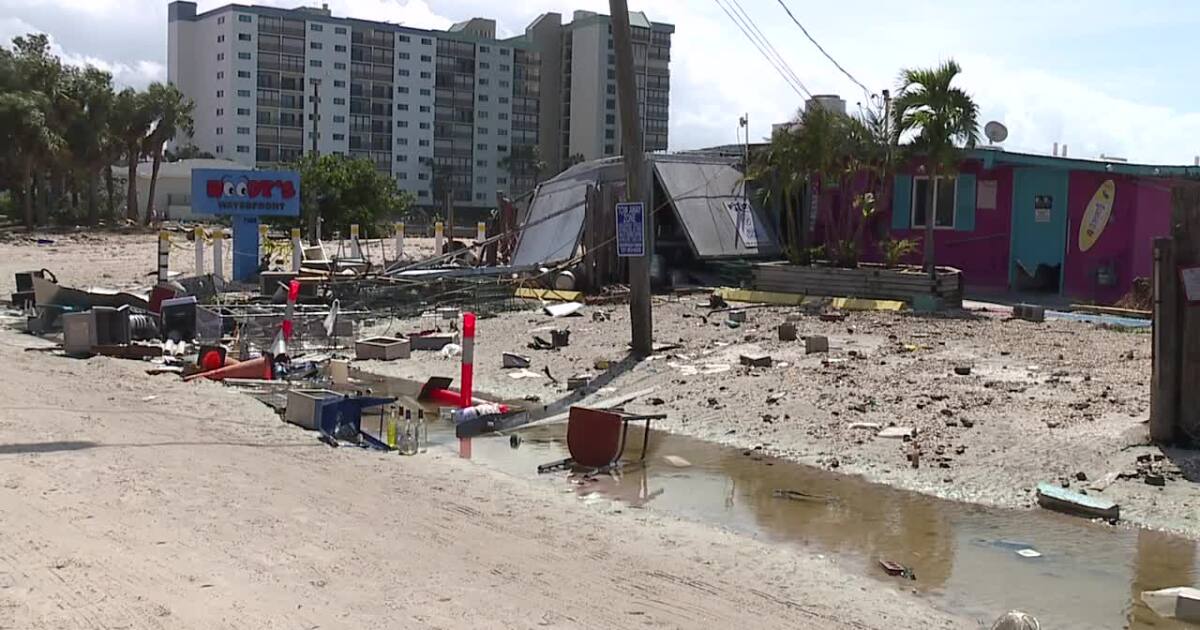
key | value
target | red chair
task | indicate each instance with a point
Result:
(596, 438)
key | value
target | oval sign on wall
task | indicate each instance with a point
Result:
(1095, 217)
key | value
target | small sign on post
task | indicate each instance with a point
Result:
(631, 229)
(437, 238)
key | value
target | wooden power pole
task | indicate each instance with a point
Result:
(637, 184)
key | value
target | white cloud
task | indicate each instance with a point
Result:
(138, 73)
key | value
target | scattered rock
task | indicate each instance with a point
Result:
(966, 423)
(871, 426)
(962, 370)
(656, 401)
(816, 343)
(787, 331)
(1081, 476)
(947, 412)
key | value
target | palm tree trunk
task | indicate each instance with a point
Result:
(806, 210)
(93, 210)
(153, 183)
(27, 197)
(131, 208)
(930, 219)
(110, 187)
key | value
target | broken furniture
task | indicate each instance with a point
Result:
(302, 408)
(25, 297)
(596, 438)
(339, 419)
(381, 349)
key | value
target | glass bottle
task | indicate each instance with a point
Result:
(422, 432)
(408, 438)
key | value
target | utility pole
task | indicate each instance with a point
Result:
(637, 188)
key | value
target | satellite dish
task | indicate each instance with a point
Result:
(995, 131)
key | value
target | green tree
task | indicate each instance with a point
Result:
(187, 152)
(524, 167)
(781, 171)
(28, 142)
(345, 191)
(943, 118)
(172, 114)
(88, 134)
(132, 120)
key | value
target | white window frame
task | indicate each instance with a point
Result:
(912, 218)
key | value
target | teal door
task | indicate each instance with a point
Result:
(1039, 221)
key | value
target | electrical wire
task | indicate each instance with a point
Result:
(822, 49)
(800, 89)
(738, 8)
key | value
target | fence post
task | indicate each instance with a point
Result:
(199, 237)
(297, 250)
(219, 253)
(1164, 382)
(399, 241)
(164, 252)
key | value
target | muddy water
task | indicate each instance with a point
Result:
(964, 557)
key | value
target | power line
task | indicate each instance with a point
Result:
(827, 55)
(798, 88)
(763, 38)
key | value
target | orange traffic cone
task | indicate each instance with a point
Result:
(254, 368)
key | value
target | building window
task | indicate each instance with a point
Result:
(502, 148)
(423, 143)
(245, 56)
(426, 41)
(609, 134)
(220, 112)
(612, 74)
(337, 65)
(220, 93)
(610, 119)
(611, 89)
(402, 106)
(944, 198)
(481, 147)
(504, 83)
(503, 52)
(402, 141)
(243, 18)
(483, 81)
(339, 136)
(422, 175)
(220, 56)
(425, 109)
(483, 98)
(402, 90)
(337, 100)
(503, 100)
(404, 72)
(502, 132)
(316, 45)
(243, 111)
(502, 115)
(481, 180)
(316, 63)
(426, 58)
(424, 125)
(316, 27)
(243, 74)
(402, 55)
(480, 196)
(220, 75)
(243, 130)
(608, 149)
(243, 148)
(339, 119)
(482, 131)
(610, 104)
(405, 38)
(220, 38)
(220, 149)
(483, 65)
(338, 83)
(501, 180)
(426, 75)
(243, 37)
(401, 158)
(482, 115)
(425, 92)
(340, 30)
(422, 193)
(220, 131)
(221, 20)
(505, 67)
(402, 124)
(612, 60)
(339, 48)
(243, 93)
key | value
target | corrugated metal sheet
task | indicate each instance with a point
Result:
(701, 190)
(556, 213)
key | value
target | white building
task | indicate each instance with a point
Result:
(439, 110)
(580, 116)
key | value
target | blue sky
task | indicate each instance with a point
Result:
(1101, 76)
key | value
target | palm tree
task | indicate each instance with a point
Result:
(88, 134)
(943, 117)
(172, 113)
(28, 141)
(782, 171)
(131, 124)
(524, 166)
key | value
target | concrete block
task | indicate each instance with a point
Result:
(816, 343)
(787, 331)
(756, 360)
(1030, 312)
(79, 333)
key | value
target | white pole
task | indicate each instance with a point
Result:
(199, 234)
(437, 238)
(355, 250)
(399, 241)
(219, 253)
(164, 252)
(481, 231)
(297, 251)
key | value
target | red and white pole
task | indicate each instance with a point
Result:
(468, 358)
(292, 295)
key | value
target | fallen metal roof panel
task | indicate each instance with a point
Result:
(556, 213)
(704, 193)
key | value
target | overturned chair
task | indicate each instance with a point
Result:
(596, 438)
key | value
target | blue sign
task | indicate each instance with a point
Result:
(245, 193)
(631, 229)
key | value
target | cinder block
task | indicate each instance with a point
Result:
(816, 343)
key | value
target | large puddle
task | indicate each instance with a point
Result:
(964, 557)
